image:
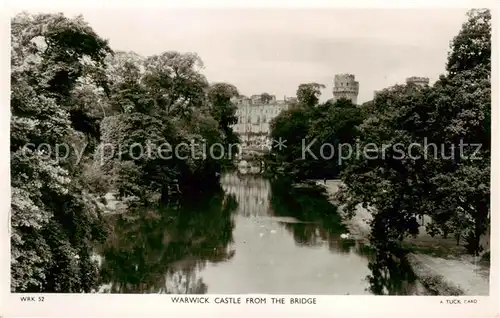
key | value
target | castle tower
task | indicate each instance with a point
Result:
(345, 86)
(421, 81)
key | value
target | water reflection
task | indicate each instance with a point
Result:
(297, 233)
(320, 222)
(256, 236)
(252, 192)
(163, 250)
(392, 275)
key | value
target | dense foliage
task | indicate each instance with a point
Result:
(316, 136)
(165, 107)
(162, 250)
(87, 121)
(53, 223)
(436, 176)
(411, 151)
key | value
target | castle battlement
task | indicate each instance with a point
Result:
(345, 86)
(422, 81)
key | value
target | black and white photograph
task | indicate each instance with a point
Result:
(282, 153)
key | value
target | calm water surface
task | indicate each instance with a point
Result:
(253, 236)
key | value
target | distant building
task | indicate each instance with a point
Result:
(421, 81)
(254, 116)
(414, 80)
(345, 86)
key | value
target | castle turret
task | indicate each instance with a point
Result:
(345, 86)
(421, 81)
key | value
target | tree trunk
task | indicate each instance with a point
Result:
(164, 194)
(480, 221)
(478, 231)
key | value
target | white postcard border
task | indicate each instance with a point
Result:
(83, 305)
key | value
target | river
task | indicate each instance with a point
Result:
(251, 236)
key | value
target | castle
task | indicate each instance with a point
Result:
(254, 115)
(345, 86)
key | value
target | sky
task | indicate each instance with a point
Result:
(275, 50)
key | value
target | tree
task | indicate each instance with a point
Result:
(471, 48)
(128, 93)
(307, 131)
(71, 92)
(169, 91)
(53, 222)
(265, 98)
(333, 131)
(308, 94)
(175, 83)
(382, 177)
(222, 109)
(291, 127)
(448, 184)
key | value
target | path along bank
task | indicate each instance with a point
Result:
(441, 266)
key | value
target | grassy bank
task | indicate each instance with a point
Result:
(441, 265)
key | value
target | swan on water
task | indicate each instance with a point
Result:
(345, 236)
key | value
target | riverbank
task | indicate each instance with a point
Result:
(441, 266)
